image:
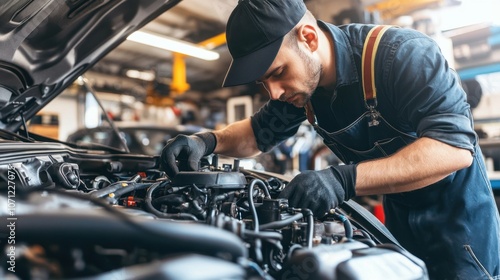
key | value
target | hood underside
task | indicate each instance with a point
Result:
(46, 44)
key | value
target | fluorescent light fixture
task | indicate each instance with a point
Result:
(143, 75)
(172, 45)
(469, 12)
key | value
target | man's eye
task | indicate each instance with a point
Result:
(278, 74)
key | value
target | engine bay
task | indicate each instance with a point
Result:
(73, 214)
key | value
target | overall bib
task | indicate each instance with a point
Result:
(447, 224)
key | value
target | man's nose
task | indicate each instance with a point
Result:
(275, 90)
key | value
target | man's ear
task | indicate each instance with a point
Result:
(308, 35)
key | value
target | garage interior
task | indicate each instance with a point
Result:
(84, 193)
(142, 85)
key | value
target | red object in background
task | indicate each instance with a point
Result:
(177, 111)
(378, 212)
(131, 202)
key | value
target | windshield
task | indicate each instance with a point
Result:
(78, 110)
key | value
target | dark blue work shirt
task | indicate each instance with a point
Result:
(418, 95)
(417, 92)
(452, 225)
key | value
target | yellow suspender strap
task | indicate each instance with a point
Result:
(368, 62)
(367, 69)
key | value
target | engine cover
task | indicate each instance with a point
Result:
(219, 179)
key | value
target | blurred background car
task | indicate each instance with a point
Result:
(148, 139)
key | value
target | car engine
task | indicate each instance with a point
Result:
(70, 215)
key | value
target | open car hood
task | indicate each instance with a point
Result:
(46, 44)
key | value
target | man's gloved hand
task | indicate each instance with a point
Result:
(321, 190)
(186, 148)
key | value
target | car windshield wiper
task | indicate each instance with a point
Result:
(94, 146)
(9, 135)
(82, 145)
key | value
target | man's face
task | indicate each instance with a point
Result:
(293, 76)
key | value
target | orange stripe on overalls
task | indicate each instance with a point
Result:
(368, 61)
(367, 72)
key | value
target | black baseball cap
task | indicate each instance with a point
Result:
(254, 33)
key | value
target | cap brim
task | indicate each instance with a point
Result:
(249, 68)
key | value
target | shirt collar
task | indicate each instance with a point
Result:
(344, 58)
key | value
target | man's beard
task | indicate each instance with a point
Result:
(313, 72)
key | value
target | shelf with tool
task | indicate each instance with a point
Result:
(476, 49)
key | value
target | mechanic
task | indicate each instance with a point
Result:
(388, 105)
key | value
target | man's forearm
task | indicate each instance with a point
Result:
(420, 164)
(237, 140)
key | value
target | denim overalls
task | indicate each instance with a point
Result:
(452, 225)
(435, 223)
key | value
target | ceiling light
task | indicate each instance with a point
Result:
(143, 75)
(173, 45)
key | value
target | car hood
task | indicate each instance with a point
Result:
(46, 44)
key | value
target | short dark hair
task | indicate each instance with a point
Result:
(292, 35)
(291, 38)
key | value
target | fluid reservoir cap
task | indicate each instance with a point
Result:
(217, 179)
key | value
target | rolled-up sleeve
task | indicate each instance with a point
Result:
(275, 122)
(429, 95)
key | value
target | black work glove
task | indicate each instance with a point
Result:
(187, 149)
(321, 190)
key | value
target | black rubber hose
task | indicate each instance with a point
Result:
(98, 180)
(282, 223)
(347, 225)
(174, 199)
(111, 188)
(97, 227)
(148, 201)
(115, 186)
(364, 219)
(131, 187)
(310, 226)
(264, 235)
(265, 184)
(257, 243)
